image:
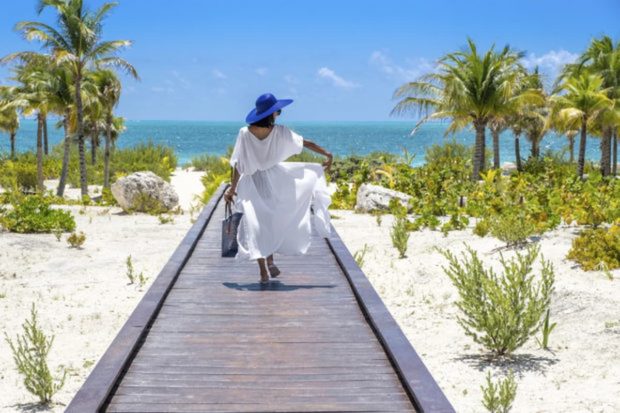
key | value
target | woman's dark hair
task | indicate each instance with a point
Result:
(265, 122)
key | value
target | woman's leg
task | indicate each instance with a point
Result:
(273, 270)
(264, 274)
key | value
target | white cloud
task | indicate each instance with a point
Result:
(218, 74)
(550, 63)
(261, 71)
(414, 69)
(336, 80)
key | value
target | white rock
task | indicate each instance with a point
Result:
(371, 197)
(508, 167)
(128, 188)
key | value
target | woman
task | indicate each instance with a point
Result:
(278, 199)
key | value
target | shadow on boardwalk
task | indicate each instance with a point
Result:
(272, 286)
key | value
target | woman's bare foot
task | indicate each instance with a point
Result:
(273, 270)
(264, 274)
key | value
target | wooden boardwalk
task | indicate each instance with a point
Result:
(208, 338)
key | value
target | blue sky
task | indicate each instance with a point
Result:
(339, 60)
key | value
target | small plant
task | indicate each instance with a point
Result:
(30, 355)
(76, 240)
(378, 217)
(500, 312)
(457, 222)
(597, 249)
(400, 236)
(142, 279)
(132, 275)
(165, 219)
(360, 255)
(547, 328)
(130, 271)
(482, 228)
(498, 397)
(57, 233)
(513, 229)
(145, 203)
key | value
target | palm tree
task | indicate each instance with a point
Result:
(109, 88)
(77, 41)
(61, 102)
(9, 118)
(584, 100)
(468, 88)
(569, 127)
(603, 58)
(32, 95)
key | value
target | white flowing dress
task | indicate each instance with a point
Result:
(278, 199)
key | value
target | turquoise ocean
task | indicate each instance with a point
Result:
(192, 138)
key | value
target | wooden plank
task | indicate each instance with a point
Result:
(426, 393)
(99, 384)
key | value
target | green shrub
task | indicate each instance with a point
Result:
(345, 197)
(457, 222)
(212, 181)
(215, 164)
(497, 397)
(500, 312)
(30, 351)
(512, 228)
(482, 228)
(34, 214)
(597, 248)
(76, 240)
(400, 236)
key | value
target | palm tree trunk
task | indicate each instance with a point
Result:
(535, 148)
(106, 154)
(40, 187)
(65, 157)
(80, 132)
(478, 163)
(614, 166)
(606, 151)
(94, 143)
(13, 145)
(571, 148)
(518, 154)
(581, 161)
(45, 143)
(495, 133)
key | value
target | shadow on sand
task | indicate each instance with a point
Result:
(519, 363)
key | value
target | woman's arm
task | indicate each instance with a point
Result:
(232, 189)
(316, 148)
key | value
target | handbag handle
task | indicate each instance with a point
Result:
(227, 210)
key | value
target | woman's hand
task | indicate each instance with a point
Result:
(328, 162)
(229, 194)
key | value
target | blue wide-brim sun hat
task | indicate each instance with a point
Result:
(266, 104)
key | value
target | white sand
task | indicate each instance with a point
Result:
(580, 374)
(82, 296)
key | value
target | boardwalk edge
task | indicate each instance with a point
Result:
(422, 388)
(95, 391)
